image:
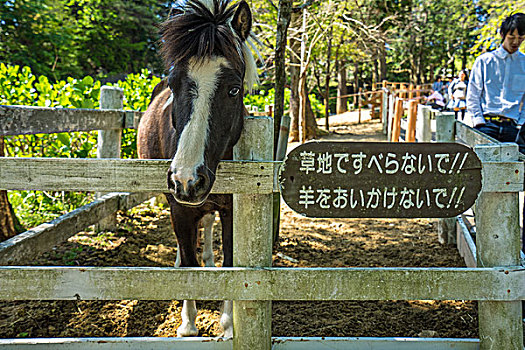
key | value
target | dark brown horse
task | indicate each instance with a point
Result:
(196, 118)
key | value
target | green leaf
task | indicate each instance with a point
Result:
(64, 139)
(87, 81)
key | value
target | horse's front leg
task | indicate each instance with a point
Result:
(188, 315)
(207, 250)
(184, 224)
(227, 248)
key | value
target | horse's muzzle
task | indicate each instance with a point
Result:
(192, 192)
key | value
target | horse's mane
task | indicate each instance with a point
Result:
(201, 29)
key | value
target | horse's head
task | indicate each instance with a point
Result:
(205, 48)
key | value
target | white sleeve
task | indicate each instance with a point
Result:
(474, 91)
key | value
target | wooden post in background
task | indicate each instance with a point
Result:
(498, 244)
(423, 124)
(359, 104)
(384, 107)
(446, 132)
(252, 238)
(396, 125)
(411, 91)
(411, 126)
(391, 112)
(109, 142)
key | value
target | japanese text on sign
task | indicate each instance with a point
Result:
(383, 163)
(375, 179)
(385, 198)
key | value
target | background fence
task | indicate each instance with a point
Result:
(497, 282)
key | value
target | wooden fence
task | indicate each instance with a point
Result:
(496, 213)
(375, 99)
(253, 283)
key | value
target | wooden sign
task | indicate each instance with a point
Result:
(380, 180)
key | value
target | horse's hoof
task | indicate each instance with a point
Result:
(228, 333)
(227, 326)
(187, 330)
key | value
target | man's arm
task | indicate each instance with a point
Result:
(450, 87)
(521, 114)
(474, 90)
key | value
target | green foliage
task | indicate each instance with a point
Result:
(138, 89)
(60, 38)
(18, 86)
(137, 93)
(266, 97)
(36, 207)
(488, 37)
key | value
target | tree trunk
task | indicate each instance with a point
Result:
(8, 220)
(327, 80)
(295, 46)
(283, 22)
(382, 62)
(342, 105)
(311, 123)
(356, 77)
(464, 58)
(375, 70)
(285, 12)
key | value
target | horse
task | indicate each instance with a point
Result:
(195, 118)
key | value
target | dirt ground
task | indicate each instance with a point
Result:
(144, 238)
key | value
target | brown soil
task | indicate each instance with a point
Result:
(144, 238)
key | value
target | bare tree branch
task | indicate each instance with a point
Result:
(303, 6)
(273, 5)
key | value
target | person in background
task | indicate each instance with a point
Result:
(436, 100)
(497, 89)
(444, 89)
(457, 91)
(438, 84)
(497, 86)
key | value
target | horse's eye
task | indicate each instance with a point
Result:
(234, 91)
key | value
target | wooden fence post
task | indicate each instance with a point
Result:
(411, 125)
(446, 132)
(384, 108)
(423, 124)
(252, 238)
(410, 91)
(396, 123)
(109, 142)
(391, 112)
(498, 244)
(359, 104)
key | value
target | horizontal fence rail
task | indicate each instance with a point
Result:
(119, 175)
(31, 243)
(278, 343)
(22, 120)
(133, 175)
(154, 283)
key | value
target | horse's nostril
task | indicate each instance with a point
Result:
(171, 183)
(200, 183)
(178, 187)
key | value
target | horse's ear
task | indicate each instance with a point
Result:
(175, 12)
(242, 20)
(158, 89)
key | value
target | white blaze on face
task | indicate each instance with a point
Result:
(192, 142)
